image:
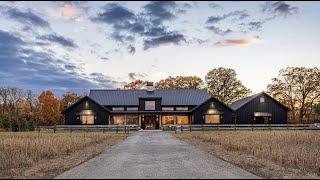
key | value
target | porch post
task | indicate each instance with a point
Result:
(125, 119)
(139, 120)
(109, 120)
(160, 119)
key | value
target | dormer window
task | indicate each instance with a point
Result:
(150, 105)
(262, 100)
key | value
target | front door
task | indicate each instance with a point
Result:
(150, 122)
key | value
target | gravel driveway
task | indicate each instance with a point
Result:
(155, 155)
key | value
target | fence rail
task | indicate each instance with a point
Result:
(180, 128)
(116, 128)
(207, 127)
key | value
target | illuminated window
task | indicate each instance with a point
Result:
(182, 108)
(167, 120)
(117, 108)
(132, 108)
(87, 117)
(150, 105)
(133, 120)
(118, 120)
(167, 109)
(262, 100)
(212, 118)
(182, 120)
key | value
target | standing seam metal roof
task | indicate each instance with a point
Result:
(131, 97)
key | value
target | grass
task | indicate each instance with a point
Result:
(21, 152)
(270, 154)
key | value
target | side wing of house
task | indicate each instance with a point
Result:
(262, 109)
(86, 111)
(212, 111)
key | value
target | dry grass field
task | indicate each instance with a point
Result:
(269, 154)
(45, 154)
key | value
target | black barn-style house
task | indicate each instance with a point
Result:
(260, 109)
(152, 108)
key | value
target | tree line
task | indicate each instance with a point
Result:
(296, 87)
(22, 110)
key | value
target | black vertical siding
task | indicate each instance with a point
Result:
(226, 117)
(245, 113)
(71, 117)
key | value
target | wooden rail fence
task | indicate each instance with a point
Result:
(235, 127)
(104, 128)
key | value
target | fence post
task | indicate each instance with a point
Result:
(175, 129)
(54, 129)
(190, 128)
(117, 129)
(181, 129)
(252, 127)
(202, 127)
(125, 129)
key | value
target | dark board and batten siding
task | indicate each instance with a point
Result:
(226, 117)
(278, 111)
(71, 117)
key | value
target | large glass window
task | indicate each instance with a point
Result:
(150, 105)
(182, 120)
(118, 120)
(167, 120)
(212, 118)
(87, 117)
(133, 120)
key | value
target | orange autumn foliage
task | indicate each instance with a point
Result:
(49, 112)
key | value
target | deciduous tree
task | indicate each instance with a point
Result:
(49, 112)
(223, 84)
(68, 99)
(137, 84)
(299, 89)
(180, 82)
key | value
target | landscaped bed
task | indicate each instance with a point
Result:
(46, 154)
(269, 154)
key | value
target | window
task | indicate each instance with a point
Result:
(262, 100)
(117, 108)
(133, 120)
(182, 108)
(212, 118)
(87, 117)
(118, 120)
(182, 120)
(150, 105)
(167, 120)
(132, 108)
(167, 109)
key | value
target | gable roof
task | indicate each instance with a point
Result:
(131, 97)
(238, 104)
(212, 98)
(82, 99)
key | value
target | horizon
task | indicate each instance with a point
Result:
(79, 46)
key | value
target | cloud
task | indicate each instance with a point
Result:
(58, 39)
(24, 67)
(279, 8)
(147, 25)
(215, 6)
(69, 10)
(171, 38)
(104, 59)
(219, 31)
(134, 76)
(26, 18)
(159, 11)
(237, 42)
(239, 14)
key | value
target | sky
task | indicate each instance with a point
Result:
(77, 46)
